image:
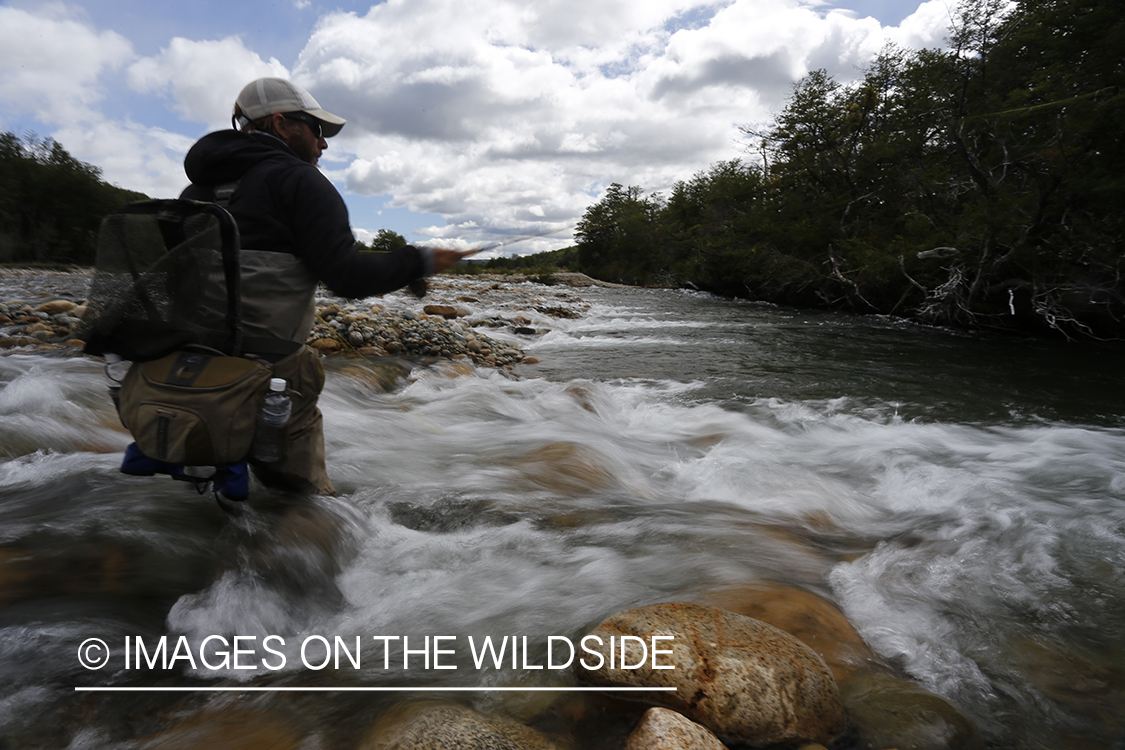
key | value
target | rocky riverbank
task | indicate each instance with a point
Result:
(450, 322)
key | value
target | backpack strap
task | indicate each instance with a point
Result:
(224, 192)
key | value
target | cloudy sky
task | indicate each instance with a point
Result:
(469, 121)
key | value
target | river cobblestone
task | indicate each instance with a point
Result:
(483, 320)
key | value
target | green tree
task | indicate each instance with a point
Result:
(385, 240)
(978, 185)
(617, 236)
(51, 204)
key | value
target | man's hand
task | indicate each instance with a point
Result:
(444, 259)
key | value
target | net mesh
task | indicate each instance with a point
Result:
(166, 276)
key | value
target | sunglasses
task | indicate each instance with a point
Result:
(312, 122)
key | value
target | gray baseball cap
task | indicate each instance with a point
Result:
(266, 96)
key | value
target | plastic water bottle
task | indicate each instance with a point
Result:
(270, 425)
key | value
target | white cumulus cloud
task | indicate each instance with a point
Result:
(52, 64)
(202, 78)
(500, 116)
(479, 111)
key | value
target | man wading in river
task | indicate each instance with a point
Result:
(264, 172)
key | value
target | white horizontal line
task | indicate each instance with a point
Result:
(223, 689)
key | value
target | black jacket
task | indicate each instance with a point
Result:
(284, 204)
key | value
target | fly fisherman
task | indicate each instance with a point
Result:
(265, 173)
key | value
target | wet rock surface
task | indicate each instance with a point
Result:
(813, 620)
(435, 726)
(885, 711)
(661, 729)
(229, 728)
(741, 678)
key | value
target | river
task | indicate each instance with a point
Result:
(961, 498)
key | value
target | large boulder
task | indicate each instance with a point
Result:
(887, 711)
(813, 620)
(741, 678)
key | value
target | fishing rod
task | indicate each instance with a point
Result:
(419, 287)
(524, 238)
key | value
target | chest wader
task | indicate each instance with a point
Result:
(175, 294)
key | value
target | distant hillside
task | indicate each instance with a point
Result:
(51, 204)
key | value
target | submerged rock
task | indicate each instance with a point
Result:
(228, 728)
(741, 678)
(886, 711)
(564, 468)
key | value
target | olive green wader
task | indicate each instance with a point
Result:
(278, 302)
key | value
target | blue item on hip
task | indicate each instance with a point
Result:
(232, 480)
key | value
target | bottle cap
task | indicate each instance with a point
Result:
(277, 384)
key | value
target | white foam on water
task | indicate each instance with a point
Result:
(483, 504)
(50, 404)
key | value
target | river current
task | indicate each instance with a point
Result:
(961, 498)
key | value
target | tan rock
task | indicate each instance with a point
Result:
(661, 729)
(741, 678)
(813, 620)
(1082, 680)
(86, 569)
(445, 311)
(566, 468)
(886, 711)
(54, 307)
(228, 728)
(13, 342)
(383, 376)
(436, 726)
(326, 346)
(16, 574)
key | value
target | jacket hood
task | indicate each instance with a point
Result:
(226, 155)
